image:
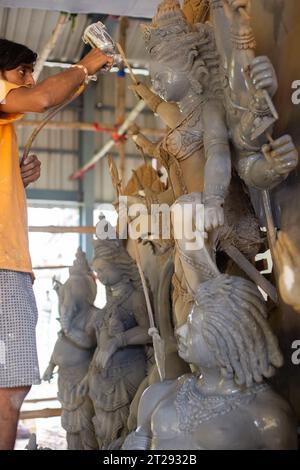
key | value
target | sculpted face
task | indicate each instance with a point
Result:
(192, 346)
(167, 83)
(107, 273)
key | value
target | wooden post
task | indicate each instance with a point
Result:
(46, 413)
(121, 97)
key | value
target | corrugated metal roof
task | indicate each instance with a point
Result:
(138, 8)
(34, 27)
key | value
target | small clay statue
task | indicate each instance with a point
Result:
(119, 364)
(225, 403)
(73, 352)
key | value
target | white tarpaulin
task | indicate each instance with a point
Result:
(138, 8)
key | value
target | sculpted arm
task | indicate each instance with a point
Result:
(218, 163)
(281, 433)
(145, 144)
(135, 336)
(139, 334)
(168, 112)
(48, 374)
(141, 438)
(79, 337)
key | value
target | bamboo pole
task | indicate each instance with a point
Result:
(61, 229)
(109, 145)
(45, 413)
(121, 98)
(63, 19)
(36, 268)
(39, 400)
(85, 126)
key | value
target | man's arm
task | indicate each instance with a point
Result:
(30, 170)
(56, 89)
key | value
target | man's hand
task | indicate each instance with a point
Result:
(30, 170)
(95, 60)
(282, 155)
(263, 75)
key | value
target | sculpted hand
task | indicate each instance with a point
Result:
(83, 387)
(151, 99)
(263, 75)
(104, 355)
(282, 155)
(141, 90)
(287, 259)
(213, 216)
(133, 130)
(30, 170)
(48, 374)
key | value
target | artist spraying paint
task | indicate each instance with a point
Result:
(18, 95)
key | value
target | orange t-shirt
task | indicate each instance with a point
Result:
(14, 247)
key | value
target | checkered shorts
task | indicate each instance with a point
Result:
(18, 318)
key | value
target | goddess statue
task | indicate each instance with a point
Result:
(73, 352)
(119, 364)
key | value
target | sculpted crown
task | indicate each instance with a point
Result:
(80, 265)
(168, 20)
(107, 242)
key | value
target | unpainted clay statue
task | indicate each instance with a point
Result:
(199, 82)
(119, 364)
(193, 150)
(225, 403)
(192, 79)
(262, 162)
(73, 352)
(157, 264)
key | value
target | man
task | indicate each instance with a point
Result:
(18, 314)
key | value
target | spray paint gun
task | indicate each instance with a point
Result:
(97, 36)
